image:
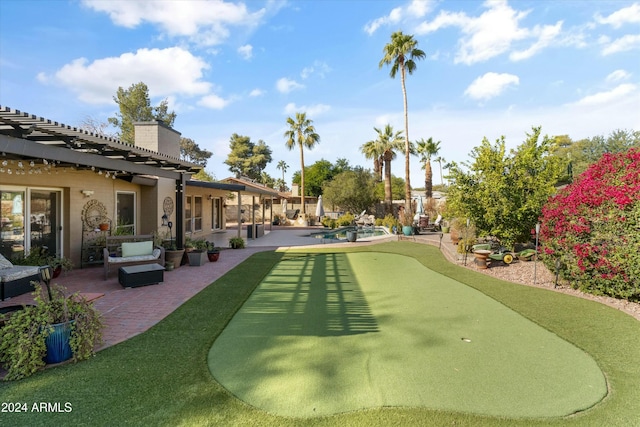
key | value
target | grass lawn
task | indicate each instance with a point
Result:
(162, 377)
(331, 333)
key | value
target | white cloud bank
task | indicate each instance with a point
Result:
(491, 85)
(285, 85)
(166, 72)
(311, 110)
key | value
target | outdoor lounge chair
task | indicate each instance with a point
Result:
(292, 214)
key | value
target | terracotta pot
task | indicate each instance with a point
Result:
(213, 256)
(103, 227)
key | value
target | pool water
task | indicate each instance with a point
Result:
(341, 233)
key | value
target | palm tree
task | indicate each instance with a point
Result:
(284, 166)
(441, 160)
(427, 149)
(302, 133)
(387, 142)
(401, 53)
(373, 151)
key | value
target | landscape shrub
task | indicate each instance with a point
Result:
(346, 219)
(592, 228)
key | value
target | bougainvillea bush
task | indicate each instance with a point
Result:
(592, 228)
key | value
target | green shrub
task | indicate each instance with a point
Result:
(592, 228)
(346, 219)
(390, 221)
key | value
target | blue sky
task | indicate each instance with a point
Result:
(492, 68)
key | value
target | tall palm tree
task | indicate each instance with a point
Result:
(387, 142)
(401, 53)
(373, 151)
(301, 133)
(426, 150)
(284, 166)
(441, 160)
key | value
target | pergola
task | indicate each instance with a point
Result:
(29, 138)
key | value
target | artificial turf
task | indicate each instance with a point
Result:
(331, 333)
(161, 377)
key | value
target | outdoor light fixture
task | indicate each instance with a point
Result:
(210, 197)
(87, 193)
(164, 220)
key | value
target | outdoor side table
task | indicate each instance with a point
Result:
(140, 275)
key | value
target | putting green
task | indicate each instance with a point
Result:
(330, 333)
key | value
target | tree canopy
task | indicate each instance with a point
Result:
(135, 106)
(503, 194)
(191, 152)
(318, 173)
(352, 190)
(248, 158)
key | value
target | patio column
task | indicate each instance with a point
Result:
(239, 214)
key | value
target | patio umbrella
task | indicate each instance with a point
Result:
(319, 208)
(420, 208)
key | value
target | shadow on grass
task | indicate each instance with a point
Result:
(313, 295)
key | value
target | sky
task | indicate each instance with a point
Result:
(493, 68)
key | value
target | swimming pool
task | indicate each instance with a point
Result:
(341, 233)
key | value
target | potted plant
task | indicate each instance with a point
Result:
(59, 264)
(57, 328)
(236, 243)
(406, 220)
(172, 253)
(213, 253)
(198, 255)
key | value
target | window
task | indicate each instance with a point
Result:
(216, 213)
(125, 213)
(193, 214)
(197, 213)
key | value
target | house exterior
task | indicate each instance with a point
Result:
(64, 188)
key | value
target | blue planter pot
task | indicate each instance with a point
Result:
(407, 230)
(58, 347)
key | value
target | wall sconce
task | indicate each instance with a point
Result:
(210, 197)
(164, 220)
(87, 193)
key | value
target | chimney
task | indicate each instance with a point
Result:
(158, 137)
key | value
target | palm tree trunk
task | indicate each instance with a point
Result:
(388, 196)
(407, 151)
(302, 179)
(428, 180)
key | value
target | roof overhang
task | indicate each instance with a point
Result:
(24, 136)
(216, 185)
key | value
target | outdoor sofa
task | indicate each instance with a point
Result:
(122, 251)
(16, 279)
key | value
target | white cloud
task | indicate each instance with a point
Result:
(545, 36)
(213, 101)
(256, 92)
(624, 43)
(285, 85)
(415, 9)
(491, 85)
(618, 75)
(165, 71)
(626, 15)
(311, 110)
(602, 98)
(319, 67)
(206, 23)
(246, 51)
(494, 32)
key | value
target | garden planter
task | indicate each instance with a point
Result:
(174, 256)
(481, 258)
(197, 258)
(103, 227)
(213, 256)
(57, 342)
(56, 272)
(352, 235)
(407, 230)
